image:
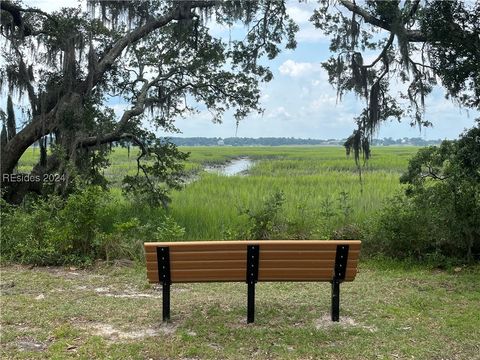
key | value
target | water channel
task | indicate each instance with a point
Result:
(232, 168)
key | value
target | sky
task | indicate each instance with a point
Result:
(299, 102)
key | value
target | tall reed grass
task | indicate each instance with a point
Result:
(312, 179)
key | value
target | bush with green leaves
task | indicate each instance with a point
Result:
(264, 222)
(268, 220)
(347, 232)
(439, 215)
(27, 236)
(90, 224)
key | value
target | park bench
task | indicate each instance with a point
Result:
(251, 261)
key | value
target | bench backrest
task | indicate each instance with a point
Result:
(279, 260)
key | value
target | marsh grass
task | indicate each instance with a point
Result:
(312, 179)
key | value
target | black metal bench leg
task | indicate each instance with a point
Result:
(253, 252)
(335, 300)
(251, 303)
(166, 302)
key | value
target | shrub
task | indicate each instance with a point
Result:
(347, 232)
(439, 215)
(168, 230)
(79, 223)
(122, 242)
(394, 231)
(303, 225)
(27, 236)
(90, 224)
(127, 238)
(268, 221)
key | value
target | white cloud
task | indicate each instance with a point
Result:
(119, 108)
(264, 97)
(298, 69)
(299, 15)
(279, 112)
(310, 34)
(323, 101)
(49, 5)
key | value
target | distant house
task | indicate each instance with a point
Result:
(220, 142)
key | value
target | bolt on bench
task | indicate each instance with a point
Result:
(251, 261)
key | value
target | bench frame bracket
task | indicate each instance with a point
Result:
(341, 259)
(164, 277)
(253, 252)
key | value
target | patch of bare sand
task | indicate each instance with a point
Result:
(325, 322)
(27, 344)
(106, 291)
(133, 295)
(156, 293)
(109, 332)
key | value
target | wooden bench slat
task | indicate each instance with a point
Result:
(241, 255)
(197, 246)
(303, 255)
(201, 255)
(300, 264)
(192, 275)
(296, 245)
(210, 264)
(281, 273)
(241, 264)
(249, 242)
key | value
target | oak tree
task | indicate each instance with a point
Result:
(159, 56)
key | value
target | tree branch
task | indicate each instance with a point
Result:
(15, 12)
(383, 53)
(412, 35)
(181, 12)
(413, 9)
(108, 138)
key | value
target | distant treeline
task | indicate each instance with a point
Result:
(284, 141)
(279, 141)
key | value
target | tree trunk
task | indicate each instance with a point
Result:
(12, 190)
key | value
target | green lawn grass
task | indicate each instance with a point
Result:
(391, 311)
